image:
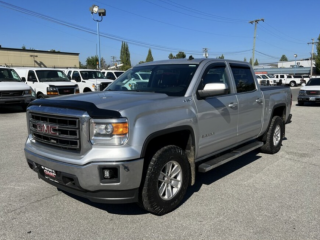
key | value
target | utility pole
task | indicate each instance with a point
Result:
(254, 37)
(205, 52)
(313, 42)
(113, 59)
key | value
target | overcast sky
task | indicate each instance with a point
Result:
(165, 26)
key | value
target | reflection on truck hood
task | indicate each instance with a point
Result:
(65, 83)
(116, 100)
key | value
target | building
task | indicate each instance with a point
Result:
(14, 57)
(299, 63)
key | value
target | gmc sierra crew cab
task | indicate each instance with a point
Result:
(143, 140)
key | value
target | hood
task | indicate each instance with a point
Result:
(308, 88)
(116, 101)
(15, 86)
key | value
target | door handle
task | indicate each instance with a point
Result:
(259, 100)
(232, 105)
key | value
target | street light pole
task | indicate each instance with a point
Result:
(94, 9)
(295, 63)
(254, 36)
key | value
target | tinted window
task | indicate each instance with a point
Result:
(281, 76)
(76, 76)
(118, 73)
(110, 76)
(243, 79)
(31, 76)
(51, 76)
(215, 74)
(8, 75)
(313, 82)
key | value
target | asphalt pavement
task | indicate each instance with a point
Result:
(256, 196)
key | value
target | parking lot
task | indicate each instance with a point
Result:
(256, 196)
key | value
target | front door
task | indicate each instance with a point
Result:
(217, 116)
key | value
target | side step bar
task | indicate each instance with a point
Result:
(211, 164)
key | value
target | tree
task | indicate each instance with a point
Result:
(171, 56)
(283, 58)
(149, 57)
(256, 63)
(23, 47)
(244, 59)
(92, 62)
(125, 56)
(181, 55)
(81, 65)
(141, 62)
(251, 62)
(221, 57)
(317, 59)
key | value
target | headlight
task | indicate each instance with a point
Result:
(302, 92)
(112, 132)
(52, 91)
(76, 90)
(27, 92)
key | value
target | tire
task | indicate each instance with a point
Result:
(24, 107)
(293, 84)
(162, 196)
(300, 103)
(41, 95)
(274, 136)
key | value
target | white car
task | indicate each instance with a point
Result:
(112, 74)
(94, 79)
(47, 82)
(265, 79)
(310, 92)
(12, 90)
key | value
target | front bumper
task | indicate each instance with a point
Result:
(87, 181)
(16, 100)
(309, 98)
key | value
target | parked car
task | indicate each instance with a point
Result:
(146, 143)
(47, 82)
(94, 79)
(12, 90)
(266, 80)
(112, 74)
(287, 79)
(310, 92)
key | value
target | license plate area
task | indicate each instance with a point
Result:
(49, 174)
(312, 98)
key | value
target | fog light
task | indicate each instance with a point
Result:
(109, 173)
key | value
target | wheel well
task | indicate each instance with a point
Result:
(181, 138)
(279, 111)
(87, 90)
(38, 94)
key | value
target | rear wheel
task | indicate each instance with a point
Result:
(274, 135)
(300, 103)
(167, 180)
(293, 84)
(41, 95)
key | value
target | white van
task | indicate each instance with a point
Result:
(266, 78)
(12, 90)
(47, 82)
(94, 78)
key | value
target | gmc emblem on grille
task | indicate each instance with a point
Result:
(313, 92)
(48, 129)
(66, 91)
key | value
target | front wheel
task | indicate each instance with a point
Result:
(293, 84)
(300, 103)
(167, 180)
(274, 136)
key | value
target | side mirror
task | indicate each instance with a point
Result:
(303, 84)
(213, 89)
(78, 79)
(23, 79)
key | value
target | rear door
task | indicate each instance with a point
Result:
(250, 102)
(218, 115)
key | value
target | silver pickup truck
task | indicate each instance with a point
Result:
(143, 140)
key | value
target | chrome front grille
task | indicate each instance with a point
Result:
(11, 93)
(62, 132)
(66, 90)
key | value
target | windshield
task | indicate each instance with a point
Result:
(52, 76)
(264, 77)
(118, 74)
(313, 82)
(8, 75)
(270, 75)
(172, 79)
(91, 75)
